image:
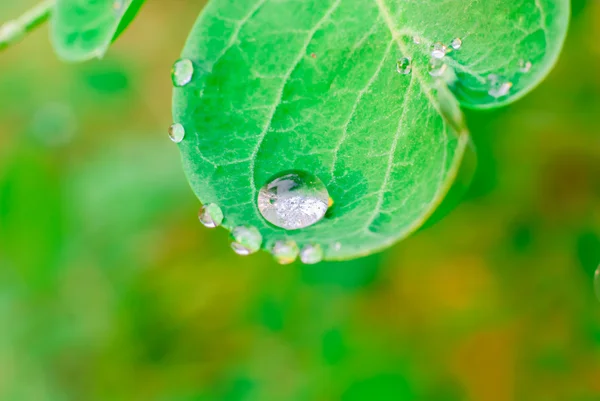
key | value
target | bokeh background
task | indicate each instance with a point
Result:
(111, 290)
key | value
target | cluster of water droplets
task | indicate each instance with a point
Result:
(181, 75)
(290, 200)
(437, 67)
(497, 86)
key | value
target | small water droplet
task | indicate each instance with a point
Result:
(456, 43)
(182, 72)
(437, 67)
(176, 132)
(416, 40)
(337, 246)
(246, 240)
(285, 252)
(311, 254)
(597, 283)
(210, 215)
(438, 50)
(498, 87)
(293, 199)
(403, 66)
(525, 66)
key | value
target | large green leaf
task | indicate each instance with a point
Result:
(313, 85)
(84, 29)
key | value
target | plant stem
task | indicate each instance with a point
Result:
(13, 31)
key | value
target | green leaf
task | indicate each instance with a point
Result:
(84, 29)
(313, 85)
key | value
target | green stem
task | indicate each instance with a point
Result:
(13, 31)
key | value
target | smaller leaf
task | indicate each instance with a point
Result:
(84, 29)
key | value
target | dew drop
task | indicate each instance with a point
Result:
(176, 132)
(210, 215)
(403, 66)
(311, 254)
(182, 72)
(597, 283)
(246, 240)
(497, 87)
(456, 43)
(525, 66)
(438, 50)
(437, 67)
(285, 252)
(293, 199)
(416, 40)
(337, 246)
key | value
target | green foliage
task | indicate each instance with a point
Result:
(84, 29)
(314, 86)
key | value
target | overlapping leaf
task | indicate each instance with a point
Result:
(84, 29)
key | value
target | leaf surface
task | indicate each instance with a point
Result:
(313, 85)
(84, 29)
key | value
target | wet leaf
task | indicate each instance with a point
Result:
(323, 86)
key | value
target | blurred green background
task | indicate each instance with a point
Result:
(110, 289)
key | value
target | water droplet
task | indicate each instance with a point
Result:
(246, 240)
(438, 50)
(403, 66)
(210, 215)
(597, 283)
(525, 66)
(437, 67)
(416, 40)
(337, 246)
(182, 72)
(293, 199)
(176, 132)
(498, 87)
(285, 252)
(311, 254)
(456, 43)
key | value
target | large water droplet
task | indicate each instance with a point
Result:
(182, 72)
(311, 254)
(293, 199)
(525, 66)
(176, 132)
(437, 67)
(597, 283)
(285, 252)
(210, 215)
(438, 50)
(456, 43)
(498, 87)
(403, 66)
(246, 240)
